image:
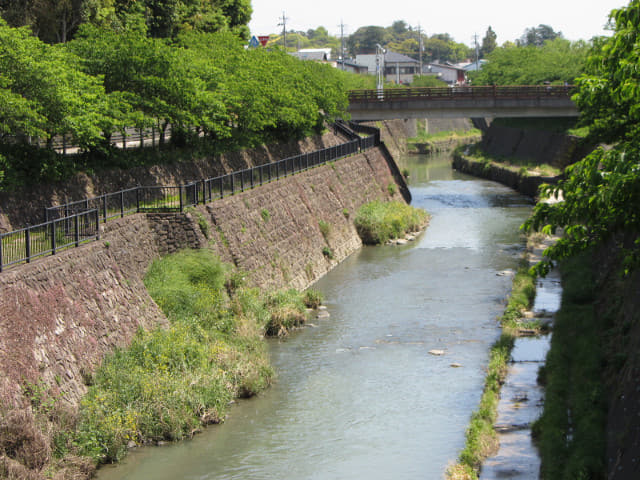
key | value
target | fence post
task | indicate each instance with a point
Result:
(138, 199)
(97, 225)
(77, 225)
(242, 180)
(53, 237)
(233, 184)
(222, 187)
(1, 263)
(27, 243)
(104, 208)
(180, 195)
(121, 203)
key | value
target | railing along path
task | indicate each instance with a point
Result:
(74, 223)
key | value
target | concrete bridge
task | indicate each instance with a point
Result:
(462, 102)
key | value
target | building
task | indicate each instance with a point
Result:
(317, 54)
(450, 74)
(351, 66)
(398, 68)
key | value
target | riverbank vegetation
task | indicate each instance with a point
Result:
(378, 222)
(170, 381)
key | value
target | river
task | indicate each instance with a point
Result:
(358, 395)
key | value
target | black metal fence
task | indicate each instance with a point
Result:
(76, 222)
(22, 246)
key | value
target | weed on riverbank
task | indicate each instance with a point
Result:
(170, 382)
(377, 222)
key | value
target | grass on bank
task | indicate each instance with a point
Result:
(170, 382)
(481, 439)
(571, 433)
(378, 222)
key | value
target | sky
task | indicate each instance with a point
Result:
(462, 19)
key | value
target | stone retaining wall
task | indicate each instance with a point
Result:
(61, 314)
(527, 185)
(557, 149)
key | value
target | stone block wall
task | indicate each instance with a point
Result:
(60, 315)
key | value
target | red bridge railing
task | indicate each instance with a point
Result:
(462, 92)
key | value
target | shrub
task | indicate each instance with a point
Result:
(312, 298)
(377, 222)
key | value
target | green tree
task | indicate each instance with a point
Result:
(489, 43)
(602, 192)
(65, 100)
(536, 36)
(365, 39)
(557, 61)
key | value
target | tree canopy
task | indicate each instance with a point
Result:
(556, 61)
(57, 21)
(207, 86)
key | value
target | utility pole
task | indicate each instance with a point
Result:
(342, 43)
(284, 30)
(380, 70)
(475, 39)
(420, 47)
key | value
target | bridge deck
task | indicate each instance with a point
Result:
(456, 102)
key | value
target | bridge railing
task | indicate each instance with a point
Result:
(460, 92)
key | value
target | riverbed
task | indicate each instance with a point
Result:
(358, 394)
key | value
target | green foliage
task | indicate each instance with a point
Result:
(600, 193)
(313, 298)
(216, 95)
(538, 36)
(264, 213)
(171, 381)
(608, 95)
(521, 298)
(427, 81)
(327, 252)
(377, 222)
(556, 61)
(324, 229)
(481, 438)
(391, 188)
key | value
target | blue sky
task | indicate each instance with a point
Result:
(576, 19)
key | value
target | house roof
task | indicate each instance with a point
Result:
(393, 57)
(317, 55)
